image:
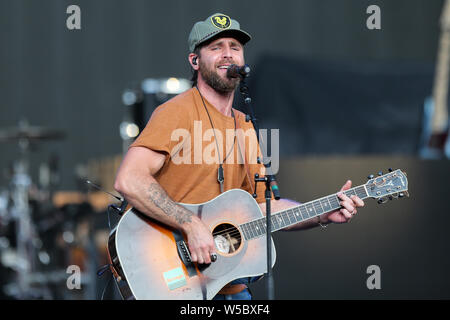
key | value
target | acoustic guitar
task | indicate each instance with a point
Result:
(151, 261)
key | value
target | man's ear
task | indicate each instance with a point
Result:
(193, 60)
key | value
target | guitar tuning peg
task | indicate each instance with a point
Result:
(407, 193)
(380, 173)
(390, 197)
(380, 201)
(401, 195)
(370, 176)
(390, 170)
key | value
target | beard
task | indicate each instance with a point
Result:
(215, 81)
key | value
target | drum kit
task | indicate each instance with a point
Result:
(38, 241)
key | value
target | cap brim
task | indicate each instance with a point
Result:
(240, 35)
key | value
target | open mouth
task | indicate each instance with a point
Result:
(223, 67)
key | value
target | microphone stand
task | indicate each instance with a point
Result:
(271, 187)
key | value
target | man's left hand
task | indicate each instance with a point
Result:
(349, 205)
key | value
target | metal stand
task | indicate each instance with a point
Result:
(271, 187)
(25, 233)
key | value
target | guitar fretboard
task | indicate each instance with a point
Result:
(303, 212)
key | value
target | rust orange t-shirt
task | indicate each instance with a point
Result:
(181, 129)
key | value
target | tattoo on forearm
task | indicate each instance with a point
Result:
(161, 200)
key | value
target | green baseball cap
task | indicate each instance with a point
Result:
(214, 25)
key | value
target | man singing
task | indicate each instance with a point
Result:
(161, 170)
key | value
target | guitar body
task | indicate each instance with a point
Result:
(148, 264)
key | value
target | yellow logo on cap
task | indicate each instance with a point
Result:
(221, 21)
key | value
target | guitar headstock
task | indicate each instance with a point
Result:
(388, 186)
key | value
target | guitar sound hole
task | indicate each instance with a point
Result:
(227, 238)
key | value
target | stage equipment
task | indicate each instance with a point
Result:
(26, 253)
(235, 71)
(434, 140)
(141, 101)
(269, 180)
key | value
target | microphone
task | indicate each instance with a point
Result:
(235, 71)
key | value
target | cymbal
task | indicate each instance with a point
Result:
(30, 133)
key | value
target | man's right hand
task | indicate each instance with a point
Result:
(136, 183)
(200, 241)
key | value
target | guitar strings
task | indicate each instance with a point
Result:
(235, 231)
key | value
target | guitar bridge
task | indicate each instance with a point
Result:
(183, 252)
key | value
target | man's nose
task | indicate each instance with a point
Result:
(227, 52)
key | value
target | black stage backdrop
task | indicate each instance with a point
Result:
(342, 108)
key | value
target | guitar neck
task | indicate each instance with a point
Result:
(294, 215)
